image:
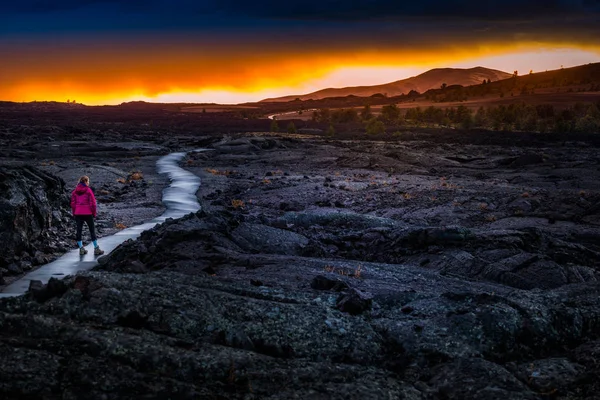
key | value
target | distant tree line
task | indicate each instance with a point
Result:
(517, 86)
(584, 118)
(580, 117)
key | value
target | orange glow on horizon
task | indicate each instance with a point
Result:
(181, 73)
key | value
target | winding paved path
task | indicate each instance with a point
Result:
(179, 199)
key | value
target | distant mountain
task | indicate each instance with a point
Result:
(432, 79)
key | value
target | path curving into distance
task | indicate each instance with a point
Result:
(179, 198)
(274, 116)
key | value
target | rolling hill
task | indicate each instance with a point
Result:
(432, 79)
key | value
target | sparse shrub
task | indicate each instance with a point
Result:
(331, 131)
(291, 128)
(344, 116)
(323, 115)
(390, 113)
(588, 124)
(366, 114)
(375, 127)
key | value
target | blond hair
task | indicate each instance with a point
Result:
(84, 179)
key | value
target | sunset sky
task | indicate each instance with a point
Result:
(231, 51)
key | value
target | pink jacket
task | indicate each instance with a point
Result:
(83, 201)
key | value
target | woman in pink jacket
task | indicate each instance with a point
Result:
(83, 205)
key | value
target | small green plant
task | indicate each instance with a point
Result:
(375, 127)
(330, 131)
(291, 128)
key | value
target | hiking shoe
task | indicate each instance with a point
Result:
(82, 251)
(98, 251)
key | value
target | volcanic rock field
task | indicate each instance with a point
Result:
(419, 266)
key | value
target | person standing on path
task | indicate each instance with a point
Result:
(83, 206)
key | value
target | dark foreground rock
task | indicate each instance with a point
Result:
(337, 270)
(32, 217)
(393, 332)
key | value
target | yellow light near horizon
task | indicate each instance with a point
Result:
(183, 76)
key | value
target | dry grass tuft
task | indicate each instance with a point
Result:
(345, 271)
(236, 203)
(219, 173)
(136, 176)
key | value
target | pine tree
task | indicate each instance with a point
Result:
(330, 131)
(274, 126)
(291, 128)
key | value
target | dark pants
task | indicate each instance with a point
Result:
(89, 220)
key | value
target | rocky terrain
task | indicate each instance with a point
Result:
(36, 180)
(32, 205)
(463, 266)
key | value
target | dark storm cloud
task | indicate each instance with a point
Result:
(149, 7)
(390, 9)
(327, 9)
(41, 16)
(40, 6)
(308, 18)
